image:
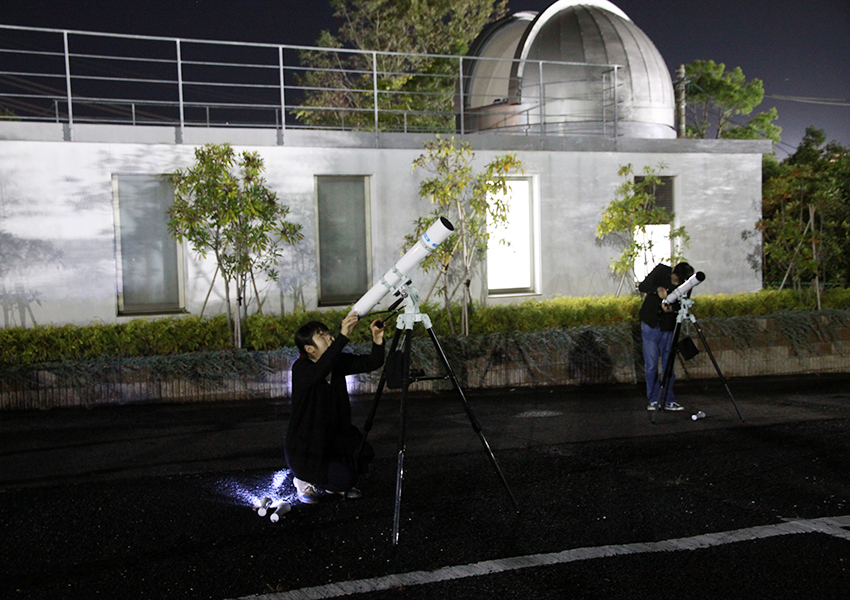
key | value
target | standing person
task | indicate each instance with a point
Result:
(657, 322)
(321, 441)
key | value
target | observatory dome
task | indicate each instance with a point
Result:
(580, 67)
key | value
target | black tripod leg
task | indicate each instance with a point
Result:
(370, 419)
(669, 364)
(475, 425)
(405, 384)
(717, 368)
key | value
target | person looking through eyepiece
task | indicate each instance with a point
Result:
(658, 320)
(321, 442)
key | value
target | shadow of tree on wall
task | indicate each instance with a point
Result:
(297, 268)
(18, 256)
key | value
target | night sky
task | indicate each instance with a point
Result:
(799, 48)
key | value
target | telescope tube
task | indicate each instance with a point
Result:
(425, 245)
(682, 291)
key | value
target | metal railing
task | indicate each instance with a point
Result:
(73, 77)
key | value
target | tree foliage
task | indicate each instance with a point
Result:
(468, 198)
(222, 206)
(805, 222)
(716, 98)
(414, 92)
(625, 220)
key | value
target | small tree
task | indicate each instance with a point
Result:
(234, 216)
(625, 220)
(467, 198)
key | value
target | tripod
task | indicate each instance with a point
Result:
(684, 313)
(405, 323)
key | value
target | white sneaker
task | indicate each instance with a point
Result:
(307, 492)
(352, 494)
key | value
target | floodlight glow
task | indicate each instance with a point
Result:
(427, 243)
(682, 291)
(262, 496)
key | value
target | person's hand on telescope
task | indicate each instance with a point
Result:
(377, 328)
(348, 324)
(662, 293)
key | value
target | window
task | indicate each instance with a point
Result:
(663, 192)
(657, 237)
(343, 238)
(511, 265)
(149, 261)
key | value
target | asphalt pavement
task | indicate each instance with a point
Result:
(155, 501)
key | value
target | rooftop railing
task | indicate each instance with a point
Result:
(73, 77)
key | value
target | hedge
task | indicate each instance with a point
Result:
(181, 335)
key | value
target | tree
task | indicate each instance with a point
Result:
(625, 220)
(805, 222)
(414, 91)
(467, 198)
(716, 97)
(222, 205)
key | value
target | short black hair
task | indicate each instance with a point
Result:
(683, 271)
(305, 333)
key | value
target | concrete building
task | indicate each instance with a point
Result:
(83, 203)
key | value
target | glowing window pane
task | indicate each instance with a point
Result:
(659, 249)
(510, 265)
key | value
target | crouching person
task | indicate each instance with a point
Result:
(321, 442)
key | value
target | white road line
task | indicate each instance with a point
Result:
(826, 525)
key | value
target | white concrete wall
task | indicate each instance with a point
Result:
(60, 192)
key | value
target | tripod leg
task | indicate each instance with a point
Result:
(370, 419)
(405, 383)
(668, 371)
(717, 368)
(475, 425)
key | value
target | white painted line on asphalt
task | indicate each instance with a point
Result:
(827, 525)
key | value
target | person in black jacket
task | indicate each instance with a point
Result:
(321, 441)
(658, 320)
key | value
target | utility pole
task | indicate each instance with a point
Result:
(681, 129)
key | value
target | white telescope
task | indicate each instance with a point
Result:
(425, 245)
(683, 290)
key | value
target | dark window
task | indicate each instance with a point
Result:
(149, 261)
(343, 238)
(663, 192)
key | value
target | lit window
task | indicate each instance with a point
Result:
(511, 265)
(149, 262)
(659, 249)
(343, 238)
(657, 239)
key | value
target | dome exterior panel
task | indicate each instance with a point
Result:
(580, 98)
(490, 78)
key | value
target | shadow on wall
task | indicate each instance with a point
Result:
(18, 257)
(590, 361)
(297, 269)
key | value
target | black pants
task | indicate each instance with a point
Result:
(344, 472)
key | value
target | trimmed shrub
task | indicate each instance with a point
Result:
(179, 335)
